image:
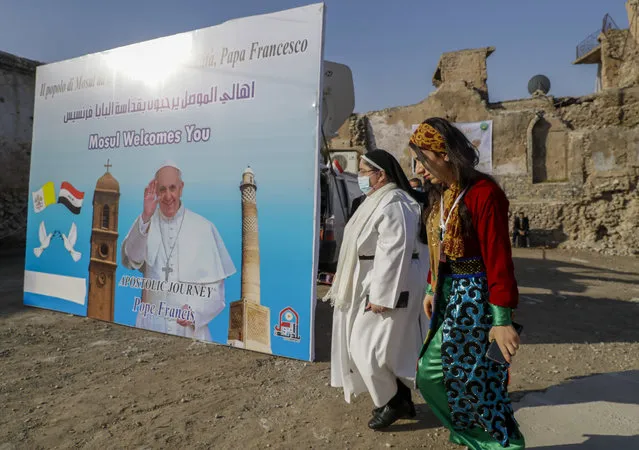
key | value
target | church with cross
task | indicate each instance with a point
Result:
(104, 240)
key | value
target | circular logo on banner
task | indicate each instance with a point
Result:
(483, 126)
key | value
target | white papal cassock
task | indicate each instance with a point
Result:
(370, 350)
(199, 259)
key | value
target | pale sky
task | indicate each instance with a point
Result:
(391, 47)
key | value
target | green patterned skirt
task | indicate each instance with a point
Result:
(465, 390)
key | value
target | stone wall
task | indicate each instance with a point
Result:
(571, 164)
(17, 93)
(619, 57)
(467, 66)
(632, 10)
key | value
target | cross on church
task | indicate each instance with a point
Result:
(167, 270)
(107, 165)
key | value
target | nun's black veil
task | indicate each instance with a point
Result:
(394, 172)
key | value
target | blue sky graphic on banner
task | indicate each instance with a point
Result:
(223, 249)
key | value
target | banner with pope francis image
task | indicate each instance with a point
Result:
(157, 195)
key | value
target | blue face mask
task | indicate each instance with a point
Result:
(364, 184)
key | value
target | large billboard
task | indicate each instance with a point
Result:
(174, 184)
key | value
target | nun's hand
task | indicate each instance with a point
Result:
(376, 308)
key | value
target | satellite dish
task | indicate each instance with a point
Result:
(539, 83)
(339, 97)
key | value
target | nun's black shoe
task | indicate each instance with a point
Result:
(411, 410)
(389, 415)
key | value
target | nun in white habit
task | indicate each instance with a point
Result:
(378, 321)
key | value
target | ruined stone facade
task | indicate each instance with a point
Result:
(632, 9)
(617, 53)
(571, 164)
(466, 66)
(17, 93)
(619, 56)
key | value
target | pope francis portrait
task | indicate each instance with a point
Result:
(184, 252)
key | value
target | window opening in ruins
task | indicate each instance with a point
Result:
(549, 152)
(540, 135)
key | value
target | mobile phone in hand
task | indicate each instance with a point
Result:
(494, 353)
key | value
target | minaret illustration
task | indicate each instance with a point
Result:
(249, 322)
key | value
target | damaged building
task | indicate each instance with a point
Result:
(17, 93)
(571, 164)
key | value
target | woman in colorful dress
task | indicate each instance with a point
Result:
(470, 295)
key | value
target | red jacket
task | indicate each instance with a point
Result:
(488, 207)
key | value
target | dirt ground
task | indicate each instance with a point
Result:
(72, 382)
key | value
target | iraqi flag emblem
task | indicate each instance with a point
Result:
(70, 197)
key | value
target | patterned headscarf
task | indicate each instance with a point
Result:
(426, 137)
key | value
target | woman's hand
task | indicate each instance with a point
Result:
(507, 339)
(429, 302)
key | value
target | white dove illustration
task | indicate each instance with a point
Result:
(69, 242)
(45, 240)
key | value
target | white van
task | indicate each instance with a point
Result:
(338, 190)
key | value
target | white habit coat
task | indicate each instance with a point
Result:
(199, 260)
(370, 350)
